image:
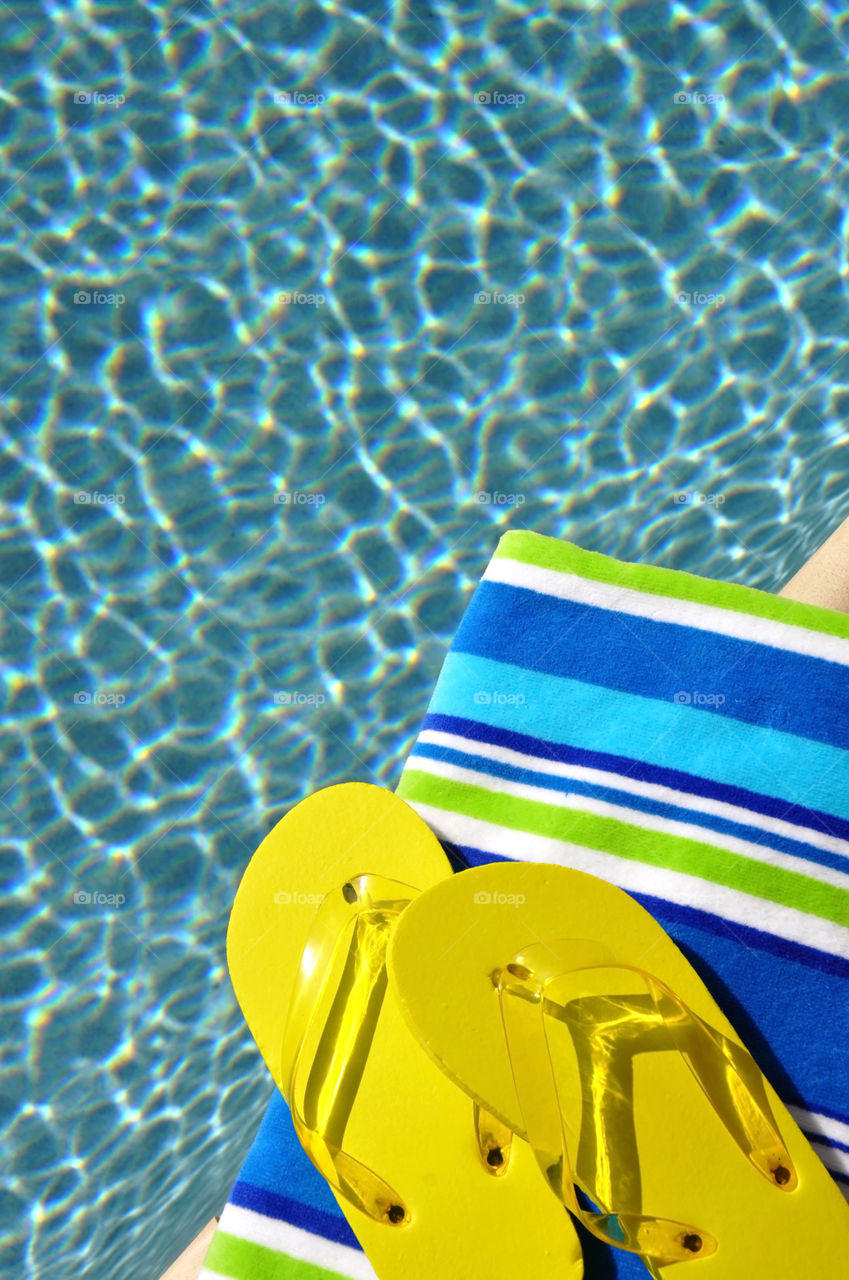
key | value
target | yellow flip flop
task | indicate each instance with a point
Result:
(563, 1008)
(431, 1185)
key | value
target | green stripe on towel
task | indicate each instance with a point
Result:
(625, 840)
(242, 1260)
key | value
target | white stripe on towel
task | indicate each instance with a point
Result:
(271, 1233)
(635, 786)
(813, 1122)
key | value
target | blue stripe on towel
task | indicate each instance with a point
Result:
(276, 1162)
(765, 686)
(639, 804)
(271, 1205)
(662, 776)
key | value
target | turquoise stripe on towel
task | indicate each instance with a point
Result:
(671, 734)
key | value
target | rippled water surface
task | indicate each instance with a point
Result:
(302, 305)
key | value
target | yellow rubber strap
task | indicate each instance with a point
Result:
(614, 1012)
(330, 1028)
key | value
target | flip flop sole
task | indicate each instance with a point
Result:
(441, 958)
(409, 1123)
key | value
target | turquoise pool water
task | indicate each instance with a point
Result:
(261, 431)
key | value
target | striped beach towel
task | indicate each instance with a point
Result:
(687, 740)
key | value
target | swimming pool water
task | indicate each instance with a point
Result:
(302, 306)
